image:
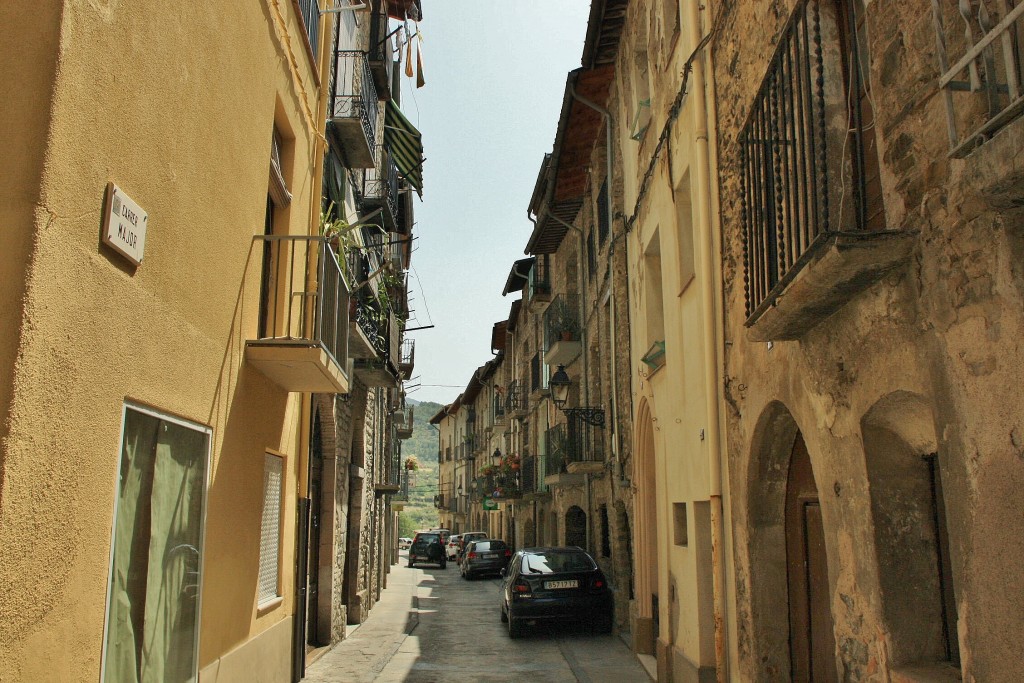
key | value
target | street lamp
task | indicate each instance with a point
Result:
(559, 385)
(496, 454)
(460, 490)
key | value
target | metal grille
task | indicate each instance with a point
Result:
(354, 93)
(985, 41)
(311, 18)
(270, 527)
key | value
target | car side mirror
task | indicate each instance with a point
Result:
(503, 571)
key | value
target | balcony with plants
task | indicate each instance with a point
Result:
(501, 480)
(352, 117)
(301, 342)
(562, 330)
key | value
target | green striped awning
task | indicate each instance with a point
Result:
(406, 145)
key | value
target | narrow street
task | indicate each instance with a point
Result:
(431, 625)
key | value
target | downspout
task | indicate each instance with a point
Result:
(709, 234)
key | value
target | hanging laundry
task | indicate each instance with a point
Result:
(408, 58)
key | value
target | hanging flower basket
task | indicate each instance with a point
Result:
(411, 463)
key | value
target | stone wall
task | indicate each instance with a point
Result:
(923, 361)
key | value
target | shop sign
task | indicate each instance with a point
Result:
(490, 504)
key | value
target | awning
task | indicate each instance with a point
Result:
(406, 145)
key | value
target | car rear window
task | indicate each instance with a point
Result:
(427, 538)
(556, 563)
(484, 546)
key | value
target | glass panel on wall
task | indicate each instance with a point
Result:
(153, 602)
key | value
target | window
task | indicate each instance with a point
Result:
(152, 625)
(270, 528)
(680, 535)
(603, 219)
(684, 233)
(591, 254)
(653, 294)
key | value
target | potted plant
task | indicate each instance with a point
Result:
(411, 463)
(562, 323)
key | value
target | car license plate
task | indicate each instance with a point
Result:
(490, 554)
(551, 585)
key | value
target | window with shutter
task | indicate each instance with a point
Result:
(270, 532)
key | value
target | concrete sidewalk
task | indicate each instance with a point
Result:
(362, 656)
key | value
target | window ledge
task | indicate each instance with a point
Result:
(835, 270)
(269, 606)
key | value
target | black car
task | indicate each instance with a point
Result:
(427, 547)
(555, 584)
(488, 556)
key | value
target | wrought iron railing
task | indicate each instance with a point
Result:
(801, 180)
(529, 474)
(408, 351)
(354, 93)
(557, 458)
(539, 280)
(380, 184)
(499, 407)
(516, 398)
(987, 49)
(562, 320)
(304, 297)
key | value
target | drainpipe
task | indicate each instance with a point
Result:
(709, 236)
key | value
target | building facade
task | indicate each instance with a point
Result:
(872, 307)
(224, 505)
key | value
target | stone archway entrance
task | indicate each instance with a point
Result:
(576, 527)
(811, 638)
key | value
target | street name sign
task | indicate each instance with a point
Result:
(124, 225)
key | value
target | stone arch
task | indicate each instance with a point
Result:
(908, 514)
(576, 527)
(767, 479)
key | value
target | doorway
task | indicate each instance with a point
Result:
(811, 637)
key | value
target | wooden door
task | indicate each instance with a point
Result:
(811, 638)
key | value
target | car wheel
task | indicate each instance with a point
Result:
(411, 563)
(504, 615)
(515, 629)
(444, 564)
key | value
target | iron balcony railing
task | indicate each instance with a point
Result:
(516, 398)
(403, 420)
(574, 441)
(380, 327)
(403, 492)
(562, 320)
(980, 54)
(499, 407)
(310, 10)
(380, 186)
(304, 297)
(408, 352)
(529, 474)
(557, 460)
(354, 94)
(539, 280)
(381, 51)
(801, 180)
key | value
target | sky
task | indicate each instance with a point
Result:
(495, 76)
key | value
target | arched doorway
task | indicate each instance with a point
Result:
(645, 572)
(576, 527)
(811, 638)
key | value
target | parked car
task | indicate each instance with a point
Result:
(555, 584)
(445, 533)
(452, 547)
(466, 538)
(489, 556)
(426, 547)
(404, 542)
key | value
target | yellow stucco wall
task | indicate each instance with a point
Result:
(169, 333)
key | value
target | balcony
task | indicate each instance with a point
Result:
(380, 188)
(538, 285)
(302, 344)
(982, 87)
(381, 53)
(814, 225)
(352, 122)
(406, 361)
(499, 410)
(516, 399)
(382, 370)
(562, 330)
(403, 421)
